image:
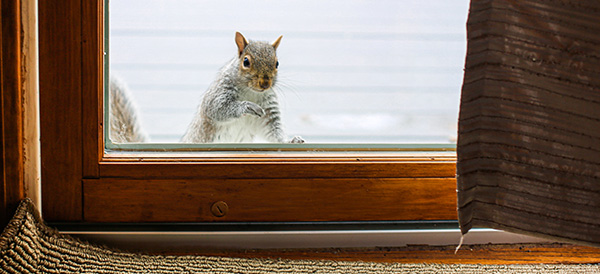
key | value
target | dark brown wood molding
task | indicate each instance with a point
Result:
(12, 190)
(60, 84)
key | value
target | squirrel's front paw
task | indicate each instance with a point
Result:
(253, 109)
(297, 140)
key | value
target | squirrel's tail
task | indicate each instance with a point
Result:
(125, 125)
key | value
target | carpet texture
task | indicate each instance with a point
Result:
(27, 245)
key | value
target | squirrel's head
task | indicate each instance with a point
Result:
(257, 62)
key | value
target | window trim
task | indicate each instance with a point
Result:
(73, 156)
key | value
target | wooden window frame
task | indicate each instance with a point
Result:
(81, 183)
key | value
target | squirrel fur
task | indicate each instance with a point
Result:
(125, 125)
(241, 105)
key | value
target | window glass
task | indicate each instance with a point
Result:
(353, 71)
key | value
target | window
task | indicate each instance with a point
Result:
(84, 183)
(368, 72)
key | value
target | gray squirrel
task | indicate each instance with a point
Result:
(241, 105)
(125, 125)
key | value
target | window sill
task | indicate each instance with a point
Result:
(186, 242)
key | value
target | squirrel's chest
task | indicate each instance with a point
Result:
(241, 130)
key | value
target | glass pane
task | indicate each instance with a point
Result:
(351, 72)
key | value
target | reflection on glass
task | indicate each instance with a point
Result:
(349, 72)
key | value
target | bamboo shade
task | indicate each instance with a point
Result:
(529, 122)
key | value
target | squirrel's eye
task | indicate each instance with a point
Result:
(246, 62)
(277, 64)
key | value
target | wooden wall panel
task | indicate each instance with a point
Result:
(60, 108)
(11, 191)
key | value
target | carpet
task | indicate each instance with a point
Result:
(27, 245)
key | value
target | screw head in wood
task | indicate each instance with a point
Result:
(219, 209)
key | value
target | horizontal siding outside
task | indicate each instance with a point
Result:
(351, 71)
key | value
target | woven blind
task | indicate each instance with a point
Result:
(529, 123)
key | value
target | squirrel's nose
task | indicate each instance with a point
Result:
(264, 83)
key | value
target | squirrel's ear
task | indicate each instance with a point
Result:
(241, 42)
(276, 43)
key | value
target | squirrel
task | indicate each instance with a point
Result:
(241, 105)
(125, 126)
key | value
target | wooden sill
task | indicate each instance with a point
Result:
(394, 247)
(553, 253)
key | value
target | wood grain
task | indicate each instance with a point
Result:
(283, 169)
(357, 199)
(60, 83)
(30, 103)
(470, 254)
(92, 78)
(12, 189)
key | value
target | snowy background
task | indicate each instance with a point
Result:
(350, 71)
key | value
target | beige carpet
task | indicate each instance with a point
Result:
(27, 245)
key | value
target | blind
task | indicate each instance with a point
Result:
(529, 123)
